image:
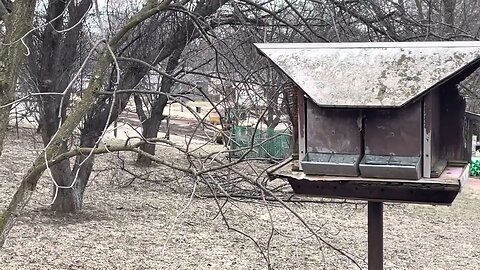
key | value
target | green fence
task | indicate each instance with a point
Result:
(475, 167)
(268, 144)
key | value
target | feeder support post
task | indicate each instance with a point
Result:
(375, 235)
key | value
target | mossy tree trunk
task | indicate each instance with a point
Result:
(12, 55)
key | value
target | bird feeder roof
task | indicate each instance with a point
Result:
(373, 74)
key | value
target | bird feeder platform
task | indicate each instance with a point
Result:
(440, 191)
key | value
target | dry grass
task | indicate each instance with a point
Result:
(128, 227)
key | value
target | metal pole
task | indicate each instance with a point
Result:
(375, 235)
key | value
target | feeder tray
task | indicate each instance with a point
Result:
(318, 163)
(383, 166)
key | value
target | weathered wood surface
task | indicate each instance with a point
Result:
(441, 190)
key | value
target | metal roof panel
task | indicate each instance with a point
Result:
(383, 74)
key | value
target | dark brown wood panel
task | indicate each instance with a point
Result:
(453, 144)
(376, 191)
(394, 131)
(333, 130)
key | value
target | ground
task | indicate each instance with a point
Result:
(138, 226)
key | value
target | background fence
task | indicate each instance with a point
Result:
(268, 144)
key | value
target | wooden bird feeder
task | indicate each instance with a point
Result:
(378, 122)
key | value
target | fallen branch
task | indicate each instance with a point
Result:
(289, 199)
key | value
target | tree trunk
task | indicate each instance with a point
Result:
(12, 56)
(449, 17)
(54, 69)
(71, 200)
(150, 130)
(151, 125)
(67, 200)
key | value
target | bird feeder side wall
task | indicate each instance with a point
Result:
(333, 130)
(452, 133)
(394, 131)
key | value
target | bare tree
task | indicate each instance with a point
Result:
(30, 180)
(187, 27)
(53, 68)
